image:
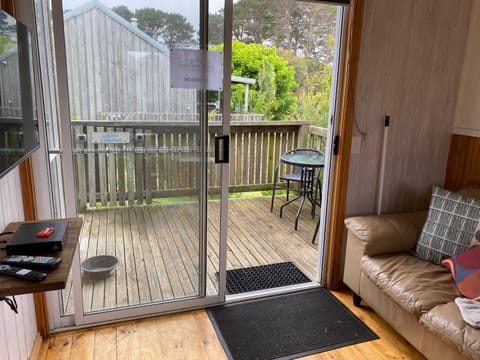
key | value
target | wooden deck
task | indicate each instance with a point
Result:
(157, 248)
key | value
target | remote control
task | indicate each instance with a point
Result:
(33, 262)
(22, 273)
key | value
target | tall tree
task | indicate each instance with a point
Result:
(124, 12)
(177, 31)
(304, 28)
(215, 28)
(254, 20)
(172, 29)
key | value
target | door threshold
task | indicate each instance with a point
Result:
(229, 299)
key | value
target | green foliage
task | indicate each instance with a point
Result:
(215, 28)
(124, 12)
(302, 27)
(9, 35)
(172, 29)
(272, 94)
(5, 43)
(264, 20)
(303, 34)
(314, 97)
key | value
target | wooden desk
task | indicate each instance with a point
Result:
(56, 279)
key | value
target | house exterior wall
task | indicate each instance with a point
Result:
(111, 69)
(10, 85)
(411, 58)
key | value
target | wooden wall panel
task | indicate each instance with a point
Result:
(467, 117)
(411, 58)
(17, 331)
(463, 168)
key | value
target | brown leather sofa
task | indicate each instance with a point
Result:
(414, 296)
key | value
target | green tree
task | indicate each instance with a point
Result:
(172, 29)
(254, 20)
(314, 97)
(273, 92)
(124, 12)
(215, 28)
(302, 27)
(9, 35)
(5, 43)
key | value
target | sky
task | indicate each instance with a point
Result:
(188, 8)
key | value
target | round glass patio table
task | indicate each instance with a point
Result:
(309, 161)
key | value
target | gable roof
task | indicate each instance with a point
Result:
(95, 4)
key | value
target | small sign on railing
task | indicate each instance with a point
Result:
(110, 138)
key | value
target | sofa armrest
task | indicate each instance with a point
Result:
(378, 234)
(384, 234)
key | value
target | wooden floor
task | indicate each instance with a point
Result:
(157, 248)
(190, 335)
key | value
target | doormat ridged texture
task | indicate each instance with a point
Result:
(264, 277)
(287, 326)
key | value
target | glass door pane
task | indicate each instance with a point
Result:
(143, 156)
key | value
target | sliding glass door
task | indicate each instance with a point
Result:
(145, 111)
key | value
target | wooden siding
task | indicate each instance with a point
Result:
(158, 248)
(113, 69)
(410, 63)
(11, 99)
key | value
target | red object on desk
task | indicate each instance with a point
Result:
(46, 232)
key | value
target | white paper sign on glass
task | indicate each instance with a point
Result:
(195, 69)
(110, 138)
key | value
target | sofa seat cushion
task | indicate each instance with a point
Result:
(416, 285)
(446, 322)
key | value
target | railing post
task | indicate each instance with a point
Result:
(303, 136)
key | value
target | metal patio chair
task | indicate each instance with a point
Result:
(295, 176)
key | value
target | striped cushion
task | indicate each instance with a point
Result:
(450, 227)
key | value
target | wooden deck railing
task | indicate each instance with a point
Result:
(134, 162)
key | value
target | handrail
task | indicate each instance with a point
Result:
(142, 160)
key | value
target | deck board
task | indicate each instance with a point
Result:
(158, 249)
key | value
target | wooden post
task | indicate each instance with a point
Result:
(303, 136)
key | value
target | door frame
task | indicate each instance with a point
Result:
(348, 80)
(347, 95)
(80, 318)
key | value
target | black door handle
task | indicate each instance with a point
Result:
(222, 149)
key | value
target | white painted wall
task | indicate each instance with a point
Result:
(17, 331)
(467, 114)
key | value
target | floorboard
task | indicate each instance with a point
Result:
(158, 248)
(190, 335)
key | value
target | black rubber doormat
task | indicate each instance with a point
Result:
(287, 326)
(264, 277)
